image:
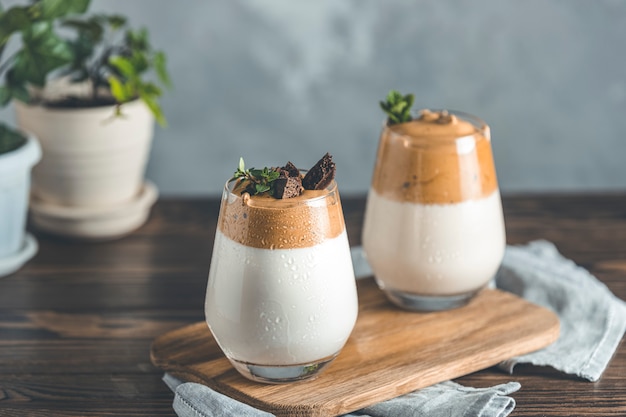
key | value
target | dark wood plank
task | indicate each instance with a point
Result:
(77, 321)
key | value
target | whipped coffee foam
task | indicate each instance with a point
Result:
(427, 162)
(264, 222)
(434, 249)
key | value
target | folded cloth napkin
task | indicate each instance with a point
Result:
(592, 319)
(440, 400)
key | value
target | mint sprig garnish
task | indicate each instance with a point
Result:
(258, 181)
(398, 107)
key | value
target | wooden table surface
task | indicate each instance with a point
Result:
(77, 321)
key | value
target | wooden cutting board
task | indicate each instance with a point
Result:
(390, 352)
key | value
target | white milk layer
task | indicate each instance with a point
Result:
(434, 249)
(281, 306)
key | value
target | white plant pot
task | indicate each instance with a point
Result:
(90, 158)
(15, 173)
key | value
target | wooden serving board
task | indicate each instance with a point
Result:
(390, 352)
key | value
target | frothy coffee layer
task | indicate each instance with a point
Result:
(264, 222)
(434, 160)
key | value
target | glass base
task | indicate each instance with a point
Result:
(281, 374)
(416, 302)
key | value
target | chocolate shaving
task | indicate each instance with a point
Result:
(321, 175)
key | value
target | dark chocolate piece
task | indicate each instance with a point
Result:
(287, 186)
(321, 175)
(291, 169)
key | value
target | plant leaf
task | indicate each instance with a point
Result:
(261, 188)
(118, 89)
(20, 92)
(5, 95)
(124, 65)
(151, 89)
(10, 139)
(91, 29)
(53, 9)
(42, 52)
(410, 99)
(116, 21)
(13, 20)
(154, 106)
(160, 66)
(397, 107)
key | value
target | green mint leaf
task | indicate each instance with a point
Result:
(258, 181)
(261, 188)
(273, 176)
(258, 173)
(409, 99)
(398, 107)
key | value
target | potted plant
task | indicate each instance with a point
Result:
(91, 98)
(18, 154)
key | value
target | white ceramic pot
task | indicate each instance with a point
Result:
(15, 172)
(90, 158)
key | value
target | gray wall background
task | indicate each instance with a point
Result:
(279, 80)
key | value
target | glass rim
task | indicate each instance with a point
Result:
(332, 188)
(481, 126)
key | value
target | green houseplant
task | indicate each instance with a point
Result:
(88, 87)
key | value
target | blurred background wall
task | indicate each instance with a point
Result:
(279, 80)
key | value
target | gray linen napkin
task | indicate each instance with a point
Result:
(593, 322)
(592, 319)
(440, 400)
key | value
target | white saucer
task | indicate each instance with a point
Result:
(14, 262)
(94, 223)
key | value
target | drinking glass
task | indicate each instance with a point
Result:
(433, 229)
(281, 298)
